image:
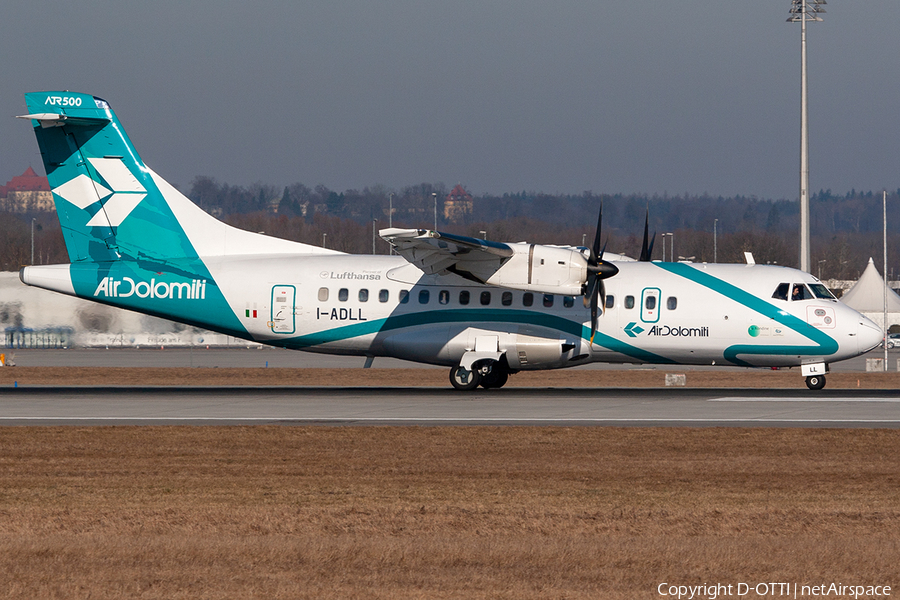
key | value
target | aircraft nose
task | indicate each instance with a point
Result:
(869, 335)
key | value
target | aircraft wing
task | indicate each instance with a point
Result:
(440, 253)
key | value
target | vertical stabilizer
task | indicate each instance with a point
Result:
(108, 203)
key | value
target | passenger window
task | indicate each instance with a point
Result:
(781, 291)
(424, 296)
(800, 292)
(363, 295)
(343, 294)
(548, 300)
(506, 298)
(485, 298)
(464, 297)
(629, 301)
(671, 302)
(443, 297)
(383, 296)
(610, 301)
(821, 291)
(404, 296)
(568, 301)
(527, 299)
(650, 302)
(323, 294)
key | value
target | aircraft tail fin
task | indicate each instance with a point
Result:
(111, 206)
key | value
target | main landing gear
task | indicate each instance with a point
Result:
(487, 374)
(815, 382)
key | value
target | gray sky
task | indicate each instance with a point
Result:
(614, 96)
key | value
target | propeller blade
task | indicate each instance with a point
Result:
(598, 270)
(602, 297)
(595, 249)
(590, 288)
(645, 246)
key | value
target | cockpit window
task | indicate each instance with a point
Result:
(781, 291)
(801, 292)
(821, 291)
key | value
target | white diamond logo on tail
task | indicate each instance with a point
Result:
(82, 191)
(116, 209)
(116, 174)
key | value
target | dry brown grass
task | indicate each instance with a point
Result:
(574, 378)
(283, 512)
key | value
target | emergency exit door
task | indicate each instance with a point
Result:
(650, 305)
(283, 308)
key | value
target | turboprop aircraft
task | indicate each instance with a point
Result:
(484, 309)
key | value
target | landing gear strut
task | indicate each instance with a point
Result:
(815, 382)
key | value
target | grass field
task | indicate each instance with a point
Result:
(322, 512)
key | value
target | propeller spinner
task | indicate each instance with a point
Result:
(598, 270)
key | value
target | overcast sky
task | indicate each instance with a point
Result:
(614, 96)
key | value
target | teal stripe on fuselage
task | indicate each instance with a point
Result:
(437, 317)
(826, 345)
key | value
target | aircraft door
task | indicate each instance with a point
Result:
(283, 309)
(650, 305)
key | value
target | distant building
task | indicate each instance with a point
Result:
(27, 192)
(458, 204)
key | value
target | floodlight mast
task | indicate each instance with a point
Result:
(801, 12)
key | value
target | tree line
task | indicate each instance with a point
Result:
(845, 228)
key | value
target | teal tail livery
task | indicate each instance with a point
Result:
(133, 240)
(485, 309)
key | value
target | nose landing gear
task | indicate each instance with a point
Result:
(815, 382)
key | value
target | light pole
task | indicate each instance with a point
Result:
(884, 270)
(672, 255)
(483, 234)
(716, 241)
(324, 236)
(820, 268)
(391, 215)
(434, 195)
(32, 240)
(801, 12)
(374, 222)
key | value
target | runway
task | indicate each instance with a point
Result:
(441, 407)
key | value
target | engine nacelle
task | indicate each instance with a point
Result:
(545, 269)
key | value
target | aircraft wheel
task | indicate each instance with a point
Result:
(463, 379)
(497, 378)
(815, 382)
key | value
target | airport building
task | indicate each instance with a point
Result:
(34, 318)
(28, 192)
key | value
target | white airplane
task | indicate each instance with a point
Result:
(484, 309)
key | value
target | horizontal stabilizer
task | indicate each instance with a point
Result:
(58, 120)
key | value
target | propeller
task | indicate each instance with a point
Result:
(647, 248)
(598, 270)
